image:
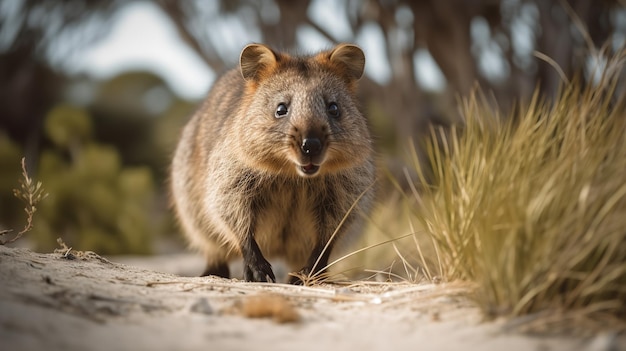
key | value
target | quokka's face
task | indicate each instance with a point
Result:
(301, 113)
(312, 124)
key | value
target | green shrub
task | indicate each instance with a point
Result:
(95, 203)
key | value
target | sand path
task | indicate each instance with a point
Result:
(51, 302)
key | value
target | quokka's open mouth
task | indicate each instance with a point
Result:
(309, 169)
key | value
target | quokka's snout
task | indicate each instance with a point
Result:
(311, 146)
(312, 140)
(310, 150)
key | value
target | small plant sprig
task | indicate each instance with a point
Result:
(30, 193)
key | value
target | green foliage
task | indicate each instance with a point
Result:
(95, 202)
(532, 207)
(66, 125)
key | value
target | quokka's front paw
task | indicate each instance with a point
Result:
(258, 272)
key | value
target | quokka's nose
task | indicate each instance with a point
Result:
(311, 146)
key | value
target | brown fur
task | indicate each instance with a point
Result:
(239, 177)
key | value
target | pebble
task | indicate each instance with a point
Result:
(201, 306)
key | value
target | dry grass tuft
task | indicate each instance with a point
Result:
(532, 207)
(30, 193)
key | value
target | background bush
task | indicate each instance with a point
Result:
(95, 202)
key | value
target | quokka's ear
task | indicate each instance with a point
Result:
(349, 57)
(256, 60)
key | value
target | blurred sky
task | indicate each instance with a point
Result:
(143, 38)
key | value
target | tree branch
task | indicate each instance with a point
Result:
(177, 15)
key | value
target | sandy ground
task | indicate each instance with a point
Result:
(58, 302)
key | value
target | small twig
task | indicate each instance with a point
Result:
(30, 193)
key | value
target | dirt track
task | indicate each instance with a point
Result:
(48, 301)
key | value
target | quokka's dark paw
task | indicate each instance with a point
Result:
(259, 272)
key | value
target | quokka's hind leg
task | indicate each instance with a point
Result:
(217, 259)
(219, 269)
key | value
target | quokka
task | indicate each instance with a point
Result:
(272, 161)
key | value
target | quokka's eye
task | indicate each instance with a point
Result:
(281, 111)
(333, 110)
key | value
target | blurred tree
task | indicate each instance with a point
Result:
(35, 34)
(141, 102)
(102, 197)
